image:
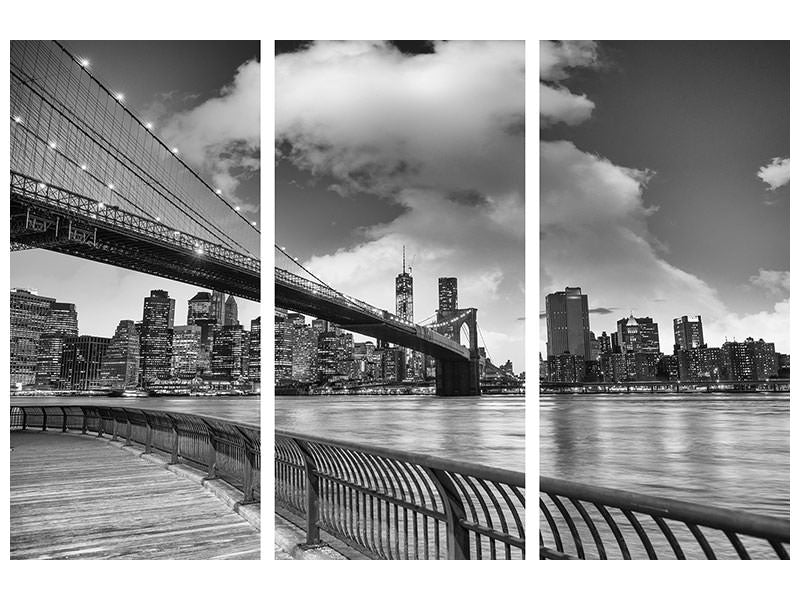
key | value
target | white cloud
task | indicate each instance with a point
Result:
(559, 104)
(556, 102)
(221, 136)
(442, 136)
(775, 282)
(594, 234)
(776, 173)
(556, 57)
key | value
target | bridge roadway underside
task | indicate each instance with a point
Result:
(131, 250)
(75, 496)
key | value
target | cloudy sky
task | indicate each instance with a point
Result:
(202, 97)
(665, 183)
(381, 145)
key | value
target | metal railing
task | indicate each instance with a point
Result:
(398, 505)
(224, 449)
(589, 522)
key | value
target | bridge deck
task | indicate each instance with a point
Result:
(76, 497)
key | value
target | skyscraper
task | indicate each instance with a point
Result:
(185, 350)
(567, 315)
(448, 293)
(199, 308)
(120, 364)
(217, 308)
(29, 317)
(255, 350)
(156, 336)
(231, 312)
(62, 322)
(638, 334)
(688, 332)
(226, 355)
(283, 345)
(81, 361)
(404, 302)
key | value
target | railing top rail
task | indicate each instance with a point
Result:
(147, 411)
(485, 472)
(719, 518)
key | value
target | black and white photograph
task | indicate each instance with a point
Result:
(135, 353)
(664, 300)
(399, 300)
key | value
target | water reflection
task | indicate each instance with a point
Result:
(489, 431)
(730, 450)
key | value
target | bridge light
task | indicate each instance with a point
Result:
(199, 249)
(53, 145)
(17, 119)
(148, 125)
(218, 192)
(120, 97)
(177, 233)
(84, 166)
(85, 63)
(101, 205)
(238, 208)
(174, 150)
(158, 219)
(253, 223)
(111, 186)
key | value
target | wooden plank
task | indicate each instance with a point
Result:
(76, 497)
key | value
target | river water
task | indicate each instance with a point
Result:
(489, 430)
(726, 450)
(246, 409)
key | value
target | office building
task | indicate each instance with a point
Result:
(567, 315)
(448, 294)
(231, 312)
(226, 355)
(638, 334)
(688, 332)
(120, 364)
(186, 350)
(156, 336)
(30, 314)
(81, 361)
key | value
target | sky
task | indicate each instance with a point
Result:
(202, 97)
(386, 144)
(664, 184)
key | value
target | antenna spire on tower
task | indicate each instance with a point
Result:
(404, 259)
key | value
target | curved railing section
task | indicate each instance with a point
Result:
(224, 449)
(399, 505)
(589, 522)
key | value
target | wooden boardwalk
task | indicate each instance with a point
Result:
(74, 496)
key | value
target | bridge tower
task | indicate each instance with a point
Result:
(458, 377)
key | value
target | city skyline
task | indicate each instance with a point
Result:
(377, 150)
(664, 183)
(201, 97)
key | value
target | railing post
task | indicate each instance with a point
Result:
(312, 493)
(24, 418)
(64, 422)
(148, 443)
(249, 465)
(457, 536)
(128, 428)
(173, 460)
(211, 457)
(100, 427)
(85, 424)
(44, 419)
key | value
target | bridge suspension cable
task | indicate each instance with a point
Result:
(84, 64)
(73, 132)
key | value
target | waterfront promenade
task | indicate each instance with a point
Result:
(76, 496)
